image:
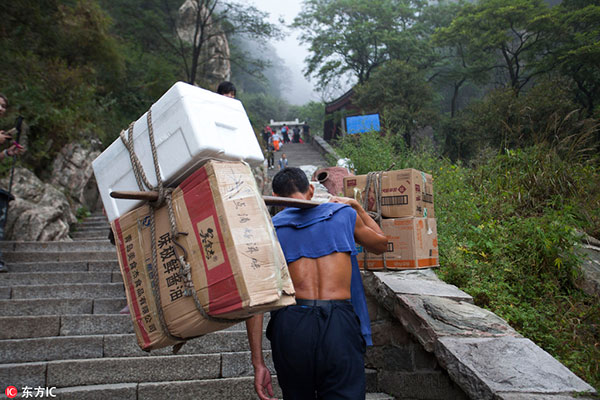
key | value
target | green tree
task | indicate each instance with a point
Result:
(457, 64)
(402, 96)
(352, 38)
(313, 113)
(546, 114)
(574, 27)
(512, 32)
(61, 67)
(162, 21)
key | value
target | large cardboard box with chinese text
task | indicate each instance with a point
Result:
(237, 266)
(412, 243)
(404, 193)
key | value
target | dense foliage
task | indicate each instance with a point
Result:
(431, 64)
(507, 230)
(510, 89)
(82, 70)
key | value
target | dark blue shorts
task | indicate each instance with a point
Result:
(318, 351)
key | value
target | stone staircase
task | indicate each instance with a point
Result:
(60, 327)
(93, 228)
(298, 154)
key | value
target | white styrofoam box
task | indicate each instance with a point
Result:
(191, 125)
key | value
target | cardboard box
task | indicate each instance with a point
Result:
(237, 265)
(412, 243)
(404, 193)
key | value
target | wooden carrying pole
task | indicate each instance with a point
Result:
(269, 200)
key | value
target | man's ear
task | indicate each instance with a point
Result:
(276, 195)
(311, 192)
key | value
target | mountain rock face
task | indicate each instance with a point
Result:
(72, 170)
(39, 212)
(44, 211)
(214, 66)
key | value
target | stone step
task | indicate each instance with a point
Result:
(93, 221)
(228, 340)
(92, 224)
(68, 291)
(96, 217)
(56, 278)
(32, 307)
(18, 257)
(71, 266)
(85, 238)
(93, 371)
(241, 388)
(91, 235)
(92, 228)
(86, 245)
(62, 330)
(38, 326)
(98, 229)
(53, 348)
(229, 376)
(379, 396)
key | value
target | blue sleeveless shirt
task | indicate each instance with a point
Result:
(317, 232)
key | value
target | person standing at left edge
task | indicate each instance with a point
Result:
(14, 149)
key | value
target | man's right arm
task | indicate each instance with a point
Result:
(366, 231)
(368, 234)
(262, 376)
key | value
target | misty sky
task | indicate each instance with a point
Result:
(300, 90)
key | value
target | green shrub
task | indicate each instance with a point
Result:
(506, 233)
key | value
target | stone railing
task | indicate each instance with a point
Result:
(431, 342)
(323, 147)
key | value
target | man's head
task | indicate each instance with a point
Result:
(227, 89)
(283, 156)
(292, 182)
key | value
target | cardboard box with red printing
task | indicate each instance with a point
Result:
(412, 243)
(404, 193)
(237, 266)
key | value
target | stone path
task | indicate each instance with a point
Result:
(298, 154)
(60, 327)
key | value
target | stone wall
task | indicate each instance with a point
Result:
(431, 339)
(323, 147)
(405, 369)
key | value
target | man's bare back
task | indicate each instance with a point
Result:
(323, 278)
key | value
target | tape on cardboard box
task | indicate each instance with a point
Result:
(404, 193)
